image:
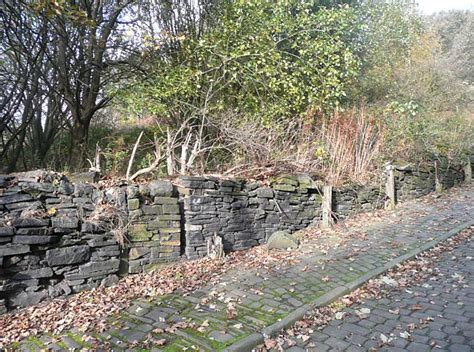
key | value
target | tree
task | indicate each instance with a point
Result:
(267, 59)
(24, 64)
(88, 38)
(83, 50)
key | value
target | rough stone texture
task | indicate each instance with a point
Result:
(44, 238)
(154, 233)
(67, 255)
(282, 240)
(243, 213)
(265, 294)
(50, 246)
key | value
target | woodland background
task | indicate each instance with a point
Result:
(234, 87)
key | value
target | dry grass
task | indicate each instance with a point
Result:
(351, 143)
(343, 148)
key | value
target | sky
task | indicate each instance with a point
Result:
(430, 6)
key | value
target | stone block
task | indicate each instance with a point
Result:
(133, 204)
(68, 255)
(138, 232)
(194, 238)
(138, 252)
(132, 191)
(165, 200)
(92, 227)
(95, 269)
(10, 285)
(13, 249)
(14, 198)
(82, 201)
(59, 289)
(152, 209)
(38, 231)
(30, 222)
(170, 209)
(101, 241)
(165, 230)
(170, 244)
(160, 188)
(33, 274)
(171, 217)
(282, 240)
(65, 187)
(6, 231)
(24, 299)
(65, 222)
(264, 192)
(34, 239)
(191, 227)
(168, 237)
(32, 205)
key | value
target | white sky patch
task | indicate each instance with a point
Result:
(430, 6)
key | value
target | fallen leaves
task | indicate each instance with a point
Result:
(399, 278)
(91, 309)
(405, 335)
(385, 340)
(363, 313)
(231, 312)
(416, 307)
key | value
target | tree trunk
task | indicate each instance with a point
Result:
(16, 152)
(79, 139)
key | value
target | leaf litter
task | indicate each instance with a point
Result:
(408, 273)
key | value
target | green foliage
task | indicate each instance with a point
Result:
(268, 59)
(388, 30)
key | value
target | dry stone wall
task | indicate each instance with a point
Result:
(47, 246)
(244, 213)
(154, 230)
(413, 182)
(59, 237)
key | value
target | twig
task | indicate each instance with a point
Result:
(132, 157)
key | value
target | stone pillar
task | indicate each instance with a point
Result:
(468, 170)
(438, 183)
(326, 208)
(390, 190)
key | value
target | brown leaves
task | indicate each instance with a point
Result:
(416, 307)
(92, 308)
(231, 313)
(399, 278)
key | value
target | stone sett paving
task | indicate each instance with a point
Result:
(264, 295)
(445, 302)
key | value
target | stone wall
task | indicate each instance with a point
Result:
(413, 182)
(58, 237)
(348, 201)
(154, 230)
(47, 246)
(244, 213)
